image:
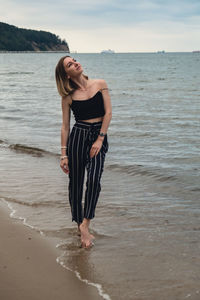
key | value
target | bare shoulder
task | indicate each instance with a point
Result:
(101, 83)
(66, 101)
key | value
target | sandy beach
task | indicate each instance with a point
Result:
(29, 269)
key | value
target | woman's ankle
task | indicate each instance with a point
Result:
(85, 223)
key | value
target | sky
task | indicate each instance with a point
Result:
(121, 25)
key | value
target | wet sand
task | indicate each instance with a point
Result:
(28, 267)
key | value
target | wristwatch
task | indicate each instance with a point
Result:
(102, 134)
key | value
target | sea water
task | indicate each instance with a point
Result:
(147, 217)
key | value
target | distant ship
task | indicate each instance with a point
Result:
(163, 51)
(196, 51)
(109, 51)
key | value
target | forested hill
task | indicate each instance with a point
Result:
(13, 38)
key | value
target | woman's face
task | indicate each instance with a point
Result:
(72, 67)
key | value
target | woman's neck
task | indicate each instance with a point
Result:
(81, 82)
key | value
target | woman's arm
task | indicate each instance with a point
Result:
(65, 130)
(96, 147)
(107, 106)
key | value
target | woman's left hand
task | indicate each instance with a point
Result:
(96, 147)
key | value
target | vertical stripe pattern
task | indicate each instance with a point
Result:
(80, 141)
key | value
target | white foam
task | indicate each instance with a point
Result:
(12, 215)
(96, 285)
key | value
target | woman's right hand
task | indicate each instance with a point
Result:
(64, 165)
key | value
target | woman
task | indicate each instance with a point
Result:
(83, 148)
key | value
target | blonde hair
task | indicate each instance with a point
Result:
(65, 85)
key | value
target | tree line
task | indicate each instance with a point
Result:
(13, 38)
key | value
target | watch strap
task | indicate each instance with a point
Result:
(102, 134)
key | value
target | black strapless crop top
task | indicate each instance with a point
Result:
(88, 109)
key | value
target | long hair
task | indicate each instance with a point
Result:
(65, 85)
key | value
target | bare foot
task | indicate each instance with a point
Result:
(86, 237)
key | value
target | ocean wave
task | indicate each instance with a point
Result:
(24, 203)
(16, 73)
(21, 148)
(142, 80)
(11, 118)
(132, 170)
(28, 149)
(140, 170)
(14, 110)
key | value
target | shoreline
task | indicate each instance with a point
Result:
(29, 269)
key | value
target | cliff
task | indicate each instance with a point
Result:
(13, 38)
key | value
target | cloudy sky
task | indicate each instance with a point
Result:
(122, 25)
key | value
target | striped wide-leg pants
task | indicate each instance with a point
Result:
(81, 138)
